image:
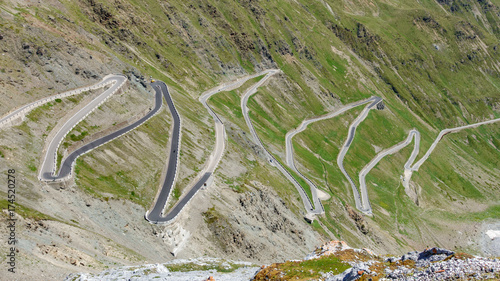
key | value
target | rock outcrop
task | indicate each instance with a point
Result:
(363, 264)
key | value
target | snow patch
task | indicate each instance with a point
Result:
(493, 234)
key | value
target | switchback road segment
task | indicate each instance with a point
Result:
(156, 214)
(309, 206)
(409, 169)
(23, 110)
(48, 169)
(290, 161)
(67, 164)
(345, 148)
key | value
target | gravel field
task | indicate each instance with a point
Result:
(162, 272)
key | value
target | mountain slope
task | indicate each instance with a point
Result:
(434, 63)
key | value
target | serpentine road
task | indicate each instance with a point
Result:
(155, 215)
(363, 202)
(313, 209)
(219, 126)
(48, 168)
(345, 148)
(289, 136)
(410, 169)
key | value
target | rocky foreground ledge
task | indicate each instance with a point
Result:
(335, 261)
(332, 261)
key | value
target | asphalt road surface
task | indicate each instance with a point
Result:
(290, 161)
(410, 169)
(310, 208)
(155, 215)
(345, 148)
(244, 102)
(220, 132)
(48, 169)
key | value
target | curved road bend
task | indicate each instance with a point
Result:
(290, 161)
(317, 209)
(362, 174)
(155, 215)
(69, 162)
(410, 169)
(219, 126)
(48, 169)
(345, 148)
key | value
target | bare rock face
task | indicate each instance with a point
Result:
(358, 219)
(257, 227)
(229, 238)
(266, 210)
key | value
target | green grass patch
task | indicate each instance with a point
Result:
(79, 137)
(23, 211)
(312, 269)
(219, 266)
(299, 179)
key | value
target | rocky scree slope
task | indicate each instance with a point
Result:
(336, 261)
(332, 261)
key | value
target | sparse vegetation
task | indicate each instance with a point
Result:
(80, 137)
(303, 270)
(120, 180)
(23, 211)
(220, 266)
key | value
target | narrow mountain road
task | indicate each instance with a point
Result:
(289, 146)
(48, 168)
(362, 174)
(244, 102)
(310, 208)
(408, 169)
(68, 163)
(345, 148)
(219, 126)
(23, 110)
(156, 214)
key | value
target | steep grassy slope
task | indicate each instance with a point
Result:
(435, 64)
